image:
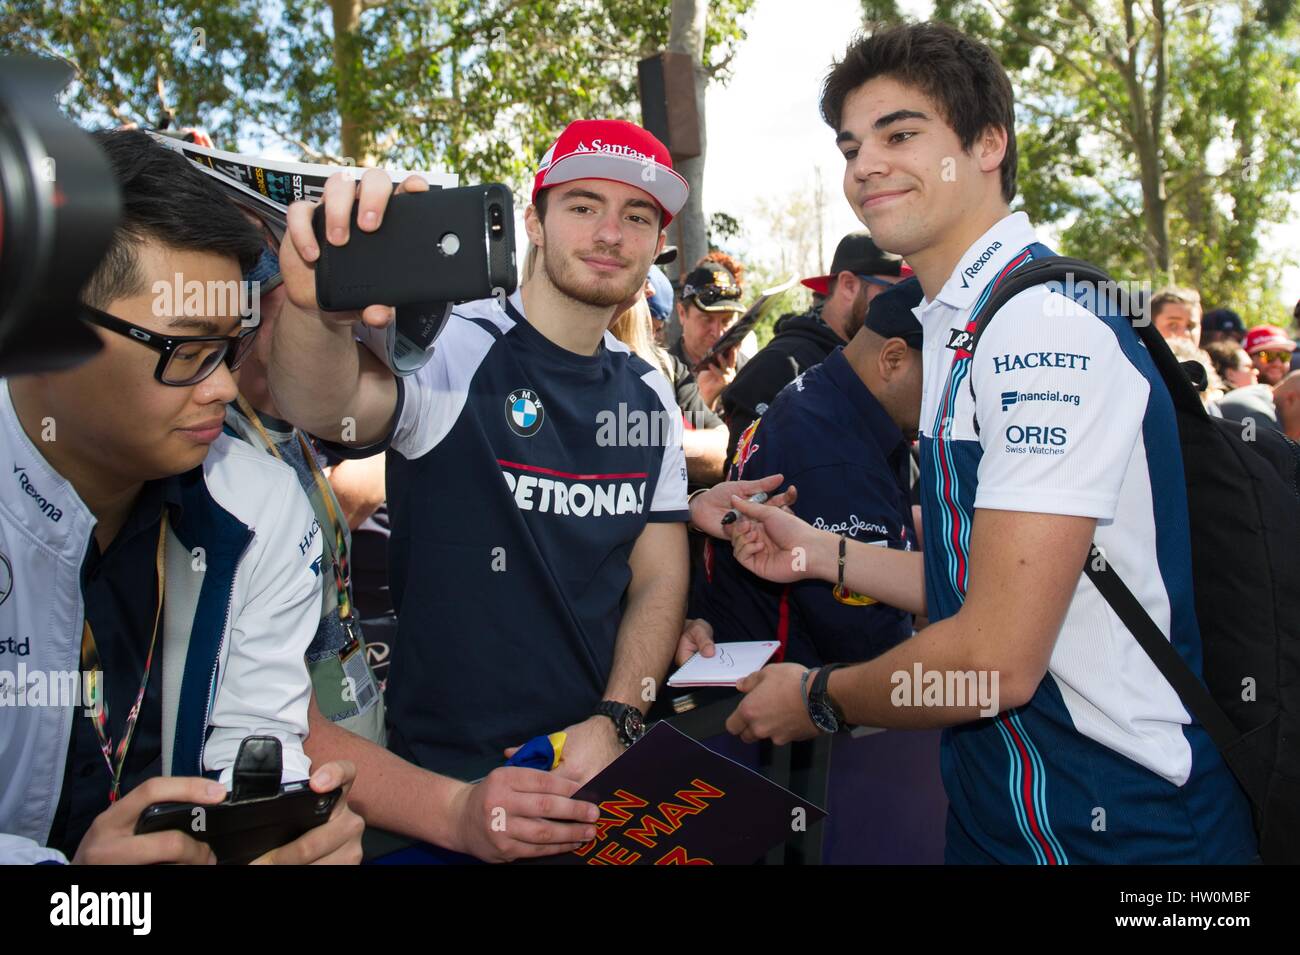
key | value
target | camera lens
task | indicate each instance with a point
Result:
(59, 205)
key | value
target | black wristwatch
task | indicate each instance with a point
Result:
(627, 720)
(822, 710)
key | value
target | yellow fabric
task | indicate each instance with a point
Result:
(557, 744)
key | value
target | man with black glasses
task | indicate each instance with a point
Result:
(158, 575)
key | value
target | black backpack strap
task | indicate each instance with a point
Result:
(1050, 268)
(1191, 691)
(1067, 272)
(1172, 666)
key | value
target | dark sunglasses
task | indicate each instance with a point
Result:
(183, 359)
(712, 294)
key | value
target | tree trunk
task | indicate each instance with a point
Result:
(1148, 136)
(352, 134)
(688, 230)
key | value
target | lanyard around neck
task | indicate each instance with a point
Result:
(340, 535)
(90, 662)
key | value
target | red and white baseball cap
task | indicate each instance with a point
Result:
(618, 151)
(1267, 336)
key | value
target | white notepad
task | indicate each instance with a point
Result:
(731, 662)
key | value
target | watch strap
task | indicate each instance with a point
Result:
(820, 687)
(618, 713)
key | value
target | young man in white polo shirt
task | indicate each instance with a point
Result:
(1066, 744)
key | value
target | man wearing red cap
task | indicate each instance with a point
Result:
(1270, 349)
(860, 270)
(538, 489)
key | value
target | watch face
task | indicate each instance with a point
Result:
(633, 726)
(823, 717)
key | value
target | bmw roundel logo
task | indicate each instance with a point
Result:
(524, 412)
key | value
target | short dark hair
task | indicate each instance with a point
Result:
(959, 73)
(1226, 356)
(167, 200)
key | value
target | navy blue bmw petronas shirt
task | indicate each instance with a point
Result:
(520, 475)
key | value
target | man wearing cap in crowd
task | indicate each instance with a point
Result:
(840, 434)
(708, 306)
(1222, 324)
(860, 271)
(1270, 349)
(538, 559)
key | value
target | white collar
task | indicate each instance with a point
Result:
(983, 259)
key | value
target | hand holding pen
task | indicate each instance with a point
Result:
(733, 515)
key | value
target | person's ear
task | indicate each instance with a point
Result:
(893, 358)
(992, 147)
(533, 226)
(847, 286)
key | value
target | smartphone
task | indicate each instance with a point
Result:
(444, 245)
(239, 832)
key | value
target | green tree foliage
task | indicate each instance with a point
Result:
(479, 86)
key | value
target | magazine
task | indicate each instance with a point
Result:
(266, 187)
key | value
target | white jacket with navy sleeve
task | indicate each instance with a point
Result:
(242, 604)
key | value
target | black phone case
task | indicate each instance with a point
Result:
(402, 262)
(239, 832)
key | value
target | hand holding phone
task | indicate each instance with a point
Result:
(443, 245)
(262, 820)
(301, 250)
(113, 840)
(239, 832)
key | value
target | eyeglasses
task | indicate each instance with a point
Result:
(1268, 356)
(183, 359)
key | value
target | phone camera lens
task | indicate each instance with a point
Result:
(321, 804)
